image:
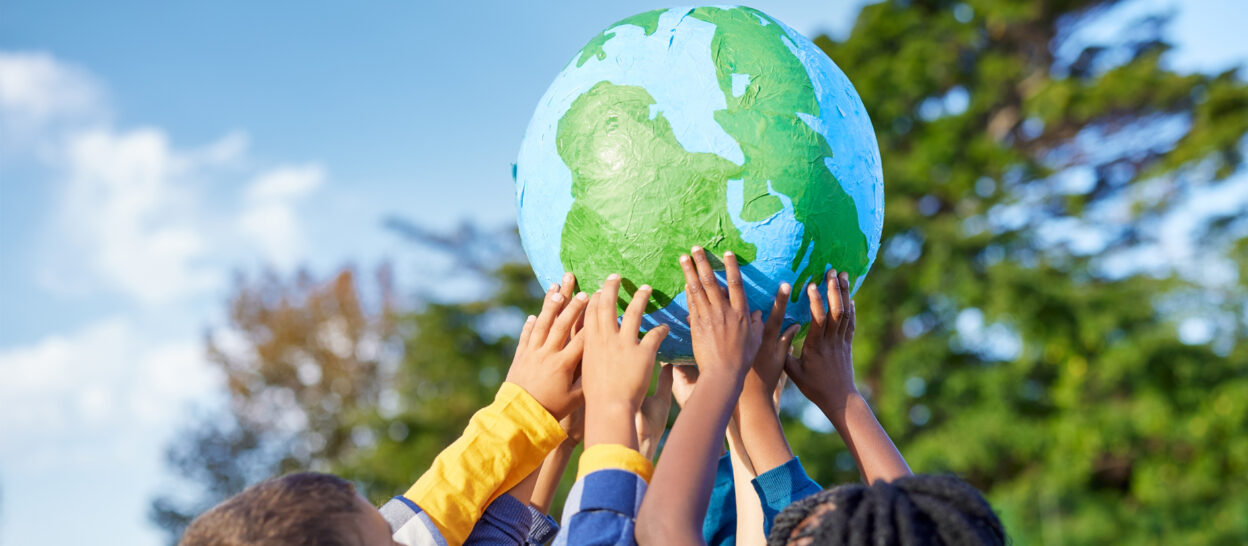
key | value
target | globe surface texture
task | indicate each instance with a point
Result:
(711, 126)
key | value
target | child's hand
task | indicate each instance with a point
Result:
(547, 355)
(825, 371)
(652, 417)
(768, 364)
(725, 335)
(617, 366)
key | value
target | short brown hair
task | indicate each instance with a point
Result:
(304, 509)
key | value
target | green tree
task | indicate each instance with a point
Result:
(1020, 329)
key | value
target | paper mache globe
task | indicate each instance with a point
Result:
(712, 126)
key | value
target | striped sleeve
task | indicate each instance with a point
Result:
(503, 442)
(602, 506)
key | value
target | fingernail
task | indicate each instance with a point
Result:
(557, 297)
(784, 288)
(553, 286)
(832, 272)
(845, 275)
(567, 277)
(727, 253)
(684, 258)
(697, 248)
(530, 319)
(582, 296)
(812, 287)
(613, 277)
(644, 287)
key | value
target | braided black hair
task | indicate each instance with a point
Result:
(910, 511)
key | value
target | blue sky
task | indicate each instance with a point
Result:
(148, 150)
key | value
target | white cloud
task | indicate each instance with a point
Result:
(37, 90)
(107, 376)
(136, 214)
(269, 218)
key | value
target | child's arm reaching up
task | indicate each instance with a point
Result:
(615, 374)
(725, 337)
(505, 441)
(825, 374)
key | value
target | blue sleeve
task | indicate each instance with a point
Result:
(602, 509)
(542, 529)
(720, 526)
(782, 486)
(505, 521)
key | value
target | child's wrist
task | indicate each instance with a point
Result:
(835, 404)
(610, 422)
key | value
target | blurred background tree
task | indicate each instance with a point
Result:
(1029, 324)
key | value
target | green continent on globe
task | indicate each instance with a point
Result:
(786, 152)
(639, 198)
(648, 21)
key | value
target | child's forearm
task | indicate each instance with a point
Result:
(761, 431)
(673, 509)
(549, 475)
(749, 508)
(877, 457)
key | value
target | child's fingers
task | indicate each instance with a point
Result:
(650, 342)
(567, 286)
(550, 309)
(786, 339)
(842, 282)
(563, 325)
(590, 316)
(663, 388)
(776, 318)
(694, 295)
(523, 343)
(636, 308)
(818, 313)
(576, 347)
(706, 275)
(736, 287)
(834, 297)
(607, 303)
(851, 319)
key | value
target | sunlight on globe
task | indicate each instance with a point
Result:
(712, 126)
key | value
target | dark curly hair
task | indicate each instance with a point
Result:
(914, 510)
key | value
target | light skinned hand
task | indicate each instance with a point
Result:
(725, 335)
(825, 371)
(548, 355)
(652, 417)
(617, 366)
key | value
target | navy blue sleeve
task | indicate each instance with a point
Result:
(505, 521)
(782, 486)
(542, 529)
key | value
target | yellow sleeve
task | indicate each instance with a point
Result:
(503, 442)
(604, 456)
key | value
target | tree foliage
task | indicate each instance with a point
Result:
(1021, 328)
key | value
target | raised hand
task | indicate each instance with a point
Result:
(617, 366)
(652, 417)
(762, 436)
(825, 374)
(548, 355)
(768, 363)
(725, 335)
(825, 371)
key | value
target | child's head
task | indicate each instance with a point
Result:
(913, 510)
(297, 509)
